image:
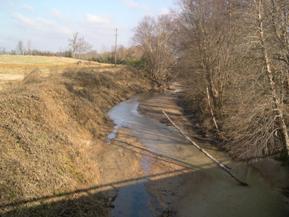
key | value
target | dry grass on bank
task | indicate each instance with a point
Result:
(50, 125)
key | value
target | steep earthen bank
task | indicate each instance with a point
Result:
(52, 136)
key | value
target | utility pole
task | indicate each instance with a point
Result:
(115, 47)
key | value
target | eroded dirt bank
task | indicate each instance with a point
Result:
(178, 180)
(54, 160)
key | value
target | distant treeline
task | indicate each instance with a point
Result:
(38, 53)
(126, 56)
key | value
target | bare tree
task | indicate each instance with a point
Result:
(153, 36)
(28, 47)
(20, 48)
(73, 44)
(202, 28)
(276, 101)
(233, 55)
(278, 11)
(78, 45)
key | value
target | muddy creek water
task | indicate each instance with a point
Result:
(204, 191)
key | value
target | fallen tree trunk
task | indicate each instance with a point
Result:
(220, 164)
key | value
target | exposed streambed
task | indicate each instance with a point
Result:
(204, 191)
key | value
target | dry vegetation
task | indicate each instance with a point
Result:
(153, 36)
(12, 64)
(14, 68)
(52, 129)
(233, 57)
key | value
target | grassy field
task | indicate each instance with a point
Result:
(15, 68)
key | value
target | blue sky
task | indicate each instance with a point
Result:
(48, 24)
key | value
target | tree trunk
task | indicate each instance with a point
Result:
(276, 104)
(211, 96)
(212, 111)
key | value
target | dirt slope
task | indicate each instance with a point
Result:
(52, 130)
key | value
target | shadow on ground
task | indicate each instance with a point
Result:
(202, 193)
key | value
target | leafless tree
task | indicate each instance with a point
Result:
(262, 128)
(28, 47)
(202, 28)
(269, 70)
(78, 45)
(234, 56)
(154, 36)
(20, 48)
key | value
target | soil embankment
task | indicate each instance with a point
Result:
(53, 142)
